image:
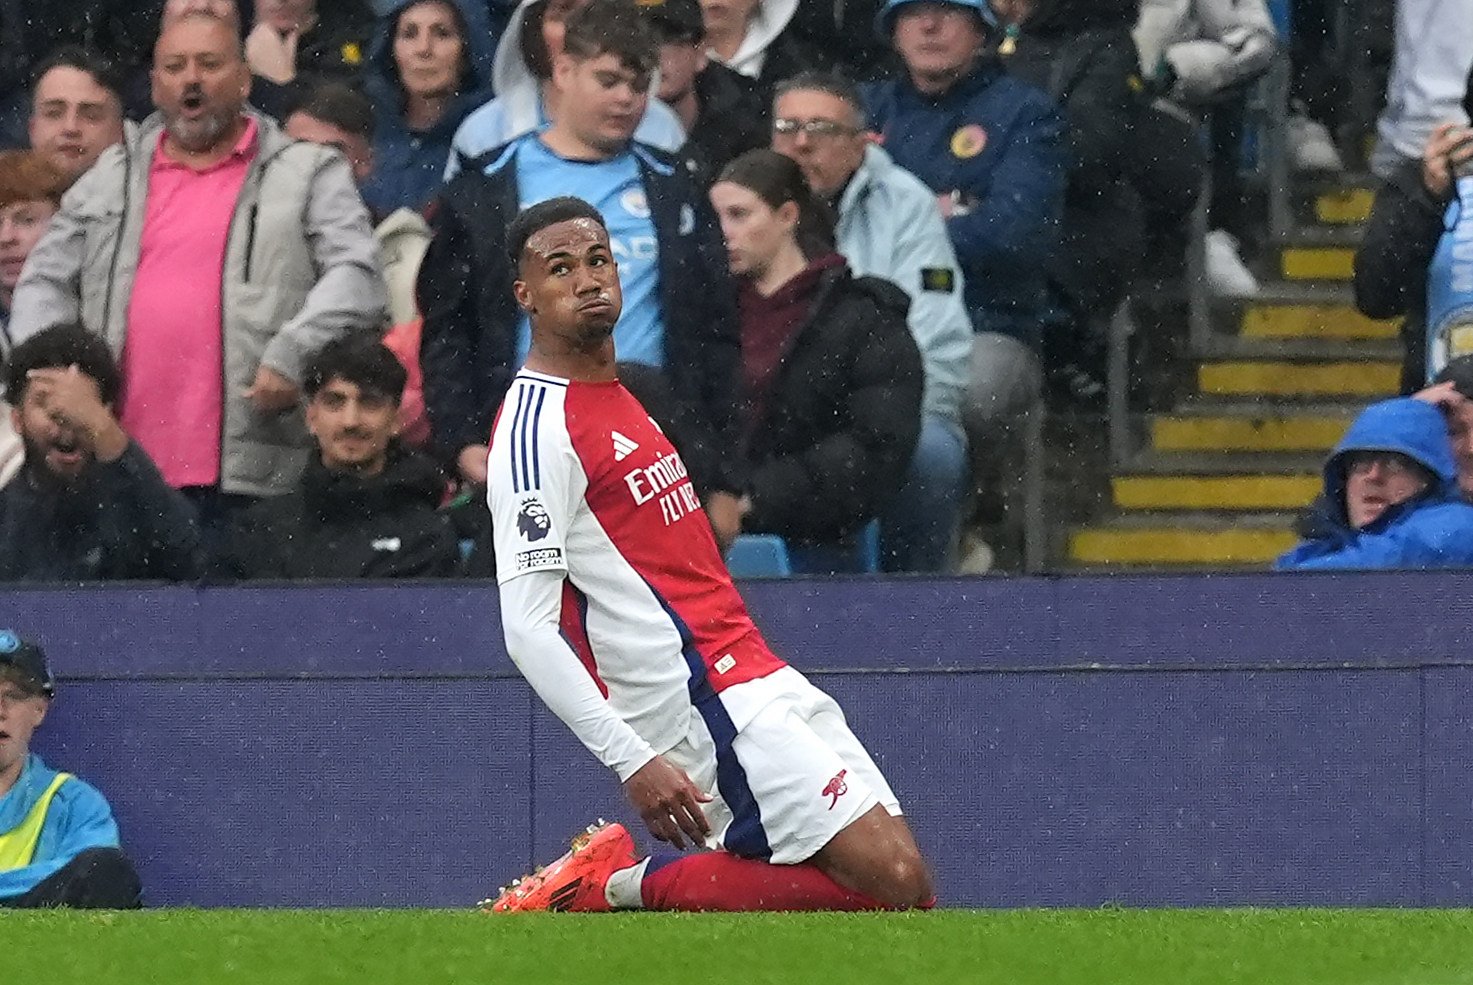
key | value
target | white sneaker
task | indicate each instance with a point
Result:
(1227, 275)
(977, 557)
(1310, 148)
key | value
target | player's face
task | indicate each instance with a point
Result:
(21, 714)
(353, 426)
(754, 231)
(603, 99)
(569, 283)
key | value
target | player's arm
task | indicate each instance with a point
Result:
(665, 797)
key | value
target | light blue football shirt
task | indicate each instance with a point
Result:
(614, 188)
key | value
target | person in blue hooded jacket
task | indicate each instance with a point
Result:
(1392, 490)
(58, 839)
(429, 67)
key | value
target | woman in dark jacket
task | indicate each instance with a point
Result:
(832, 375)
(1406, 223)
(1081, 53)
(429, 68)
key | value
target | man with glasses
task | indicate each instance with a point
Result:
(889, 226)
(1392, 490)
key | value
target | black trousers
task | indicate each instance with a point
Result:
(97, 879)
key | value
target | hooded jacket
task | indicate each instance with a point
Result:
(301, 269)
(840, 419)
(1431, 530)
(409, 165)
(997, 146)
(770, 50)
(1395, 257)
(518, 109)
(338, 525)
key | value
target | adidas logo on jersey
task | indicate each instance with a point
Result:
(623, 447)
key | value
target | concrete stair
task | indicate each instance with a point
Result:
(1225, 472)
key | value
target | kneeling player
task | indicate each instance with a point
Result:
(620, 613)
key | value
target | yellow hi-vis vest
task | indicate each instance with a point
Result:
(18, 845)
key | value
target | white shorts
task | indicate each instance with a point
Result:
(789, 779)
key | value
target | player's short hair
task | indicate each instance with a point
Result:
(613, 27)
(339, 104)
(828, 83)
(57, 348)
(26, 176)
(533, 219)
(103, 70)
(368, 365)
(776, 178)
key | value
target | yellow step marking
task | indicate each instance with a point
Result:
(1312, 321)
(1179, 545)
(1349, 379)
(1345, 207)
(1317, 433)
(1319, 263)
(1216, 492)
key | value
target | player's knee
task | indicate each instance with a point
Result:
(906, 882)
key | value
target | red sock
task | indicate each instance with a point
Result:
(717, 881)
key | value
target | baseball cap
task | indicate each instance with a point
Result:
(28, 658)
(1459, 372)
(675, 18)
(885, 19)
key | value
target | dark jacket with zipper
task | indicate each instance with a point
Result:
(841, 416)
(301, 270)
(731, 120)
(468, 348)
(1088, 68)
(1394, 258)
(122, 522)
(341, 525)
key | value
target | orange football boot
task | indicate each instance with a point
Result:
(574, 883)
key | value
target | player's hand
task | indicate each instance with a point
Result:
(271, 54)
(669, 803)
(472, 463)
(71, 399)
(1449, 146)
(271, 392)
(725, 513)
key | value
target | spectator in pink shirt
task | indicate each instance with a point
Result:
(216, 256)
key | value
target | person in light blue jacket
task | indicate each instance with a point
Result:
(58, 839)
(1392, 490)
(890, 226)
(521, 78)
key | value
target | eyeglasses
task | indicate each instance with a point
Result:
(785, 127)
(1390, 463)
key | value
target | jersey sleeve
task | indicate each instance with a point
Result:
(535, 484)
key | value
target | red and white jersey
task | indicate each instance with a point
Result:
(584, 482)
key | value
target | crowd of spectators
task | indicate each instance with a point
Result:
(858, 242)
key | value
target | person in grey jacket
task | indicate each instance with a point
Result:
(219, 255)
(889, 226)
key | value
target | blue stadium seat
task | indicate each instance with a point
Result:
(759, 556)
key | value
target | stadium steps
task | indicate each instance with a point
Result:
(1224, 473)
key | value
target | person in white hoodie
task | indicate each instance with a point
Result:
(521, 77)
(1429, 73)
(754, 37)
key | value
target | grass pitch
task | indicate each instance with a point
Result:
(1020, 947)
